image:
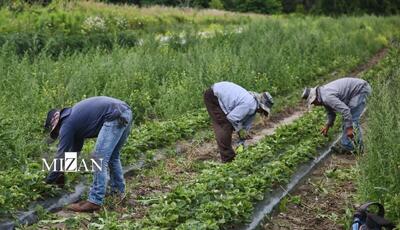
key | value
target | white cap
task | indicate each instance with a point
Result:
(310, 94)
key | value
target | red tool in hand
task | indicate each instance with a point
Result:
(350, 133)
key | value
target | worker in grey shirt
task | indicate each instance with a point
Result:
(231, 107)
(347, 96)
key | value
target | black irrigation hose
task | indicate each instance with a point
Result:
(273, 198)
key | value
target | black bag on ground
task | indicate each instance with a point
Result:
(365, 220)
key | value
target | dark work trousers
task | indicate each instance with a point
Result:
(222, 127)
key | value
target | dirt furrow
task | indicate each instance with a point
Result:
(324, 201)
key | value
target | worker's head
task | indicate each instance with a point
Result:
(265, 103)
(310, 94)
(52, 124)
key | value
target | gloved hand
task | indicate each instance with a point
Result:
(350, 133)
(239, 148)
(324, 130)
(244, 135)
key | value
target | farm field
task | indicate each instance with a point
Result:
(329, 196)
(57, 55)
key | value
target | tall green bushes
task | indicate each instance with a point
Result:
(67, 27)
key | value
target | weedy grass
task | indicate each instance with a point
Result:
(380, 166)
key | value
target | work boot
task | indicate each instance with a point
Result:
(338, 149)
(59, 181)
(83, 206)
(227, 160)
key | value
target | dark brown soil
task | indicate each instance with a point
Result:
(324, 201)
(145, 187)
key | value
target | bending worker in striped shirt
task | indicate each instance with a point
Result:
(347, 96)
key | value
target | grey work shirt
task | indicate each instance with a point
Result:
(341, 96)
(237, 103)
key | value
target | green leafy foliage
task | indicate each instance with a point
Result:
(216, 4)
(17, 187)
(75, 26)
(155, 135)
(257, 6)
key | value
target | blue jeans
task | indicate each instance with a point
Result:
(356, 115)
(110, 140)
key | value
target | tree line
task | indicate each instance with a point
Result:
(326, 7)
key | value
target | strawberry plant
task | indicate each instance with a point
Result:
(18, 188)
(155, 135)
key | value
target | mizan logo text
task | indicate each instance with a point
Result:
(70, 164)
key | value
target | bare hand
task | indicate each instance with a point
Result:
(350, 133)
(324, 130)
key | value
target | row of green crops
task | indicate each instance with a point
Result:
(66, 27)
(224, 195)
(18, 188)
(163, 83)
(380, 167)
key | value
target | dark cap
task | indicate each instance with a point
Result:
(47, 124)
(52, 122)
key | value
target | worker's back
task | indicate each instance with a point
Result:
(87, 117)
(230, 95)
